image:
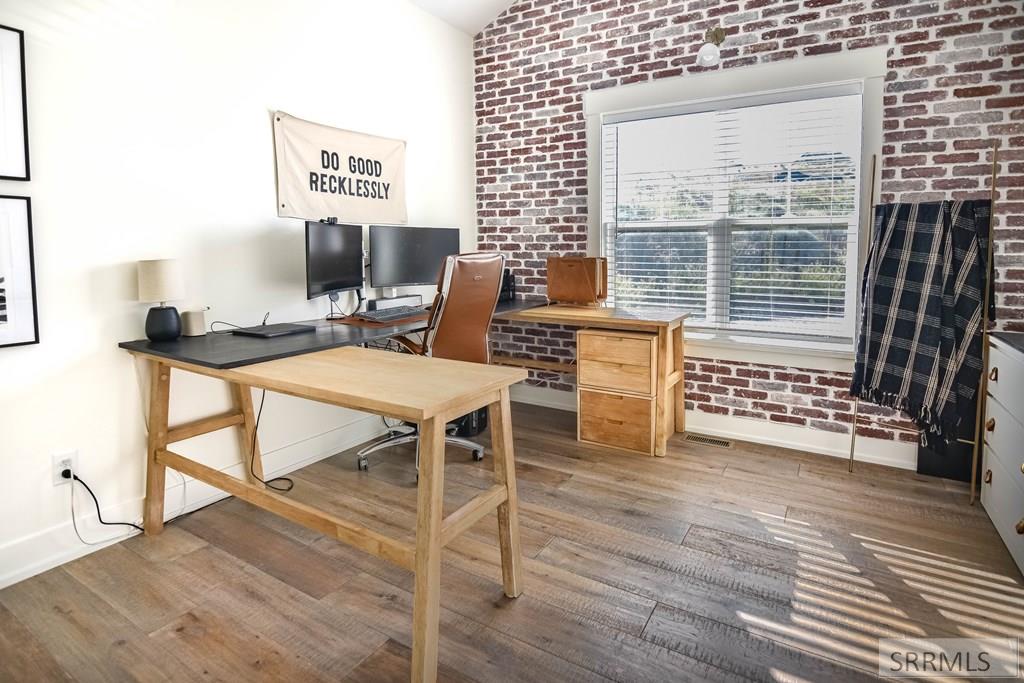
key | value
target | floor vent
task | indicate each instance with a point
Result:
(708, 440)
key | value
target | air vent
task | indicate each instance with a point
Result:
(708, 440)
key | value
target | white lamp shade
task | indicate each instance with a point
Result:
(708, 55)
(161, 280)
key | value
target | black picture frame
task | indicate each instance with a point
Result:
(24, 104)
(31, 273)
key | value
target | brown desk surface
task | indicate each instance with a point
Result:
(399, 385)
(564, 314)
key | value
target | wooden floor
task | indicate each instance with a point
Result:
(749, 563)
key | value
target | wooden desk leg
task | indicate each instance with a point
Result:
(661, 406)
(242, 396)
(679, 392)
(426, 609)
(159, 399)
(500, 421)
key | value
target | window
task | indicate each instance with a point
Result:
(744, 211)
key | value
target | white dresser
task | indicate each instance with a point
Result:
(1002, 488)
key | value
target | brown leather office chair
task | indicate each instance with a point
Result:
(460, 318)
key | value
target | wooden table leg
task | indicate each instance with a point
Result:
(661, 403)
(500, 421)
(247, 440)
(159, 399)
(426, 609)
(679, 391)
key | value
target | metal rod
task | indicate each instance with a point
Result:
(871, 223)
(979, 416)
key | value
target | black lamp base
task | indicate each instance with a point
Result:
(163, 323)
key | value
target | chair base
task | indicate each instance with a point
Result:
(413, 437)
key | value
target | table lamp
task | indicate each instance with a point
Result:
(160, 281)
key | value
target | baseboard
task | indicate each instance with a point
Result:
(542, 396)
(44, 550)
(878, 451)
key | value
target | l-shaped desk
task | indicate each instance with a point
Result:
(629, 368)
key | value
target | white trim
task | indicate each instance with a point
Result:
(879, 451)
(30, 555)
(807, 358)
(799, 73)
(898, 454)
(543, 396)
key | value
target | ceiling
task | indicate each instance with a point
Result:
(470, 16)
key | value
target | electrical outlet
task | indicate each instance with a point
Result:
(61, 462)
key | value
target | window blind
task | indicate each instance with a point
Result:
(745, 213)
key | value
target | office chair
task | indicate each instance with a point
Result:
(460, 318)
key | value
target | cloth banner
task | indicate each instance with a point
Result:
(325, 172)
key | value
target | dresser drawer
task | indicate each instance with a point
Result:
(1005, 435)
(620, 361)
(616, 420)
(1006, 376)
(1004, 502)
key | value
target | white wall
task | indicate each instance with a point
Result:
(150, 136)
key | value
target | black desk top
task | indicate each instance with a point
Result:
(224, 351)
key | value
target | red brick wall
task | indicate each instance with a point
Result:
(955, 84)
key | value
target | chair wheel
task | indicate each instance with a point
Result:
(478, 455)
(363, 464)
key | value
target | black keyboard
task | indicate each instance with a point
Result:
(275, 330)
(386, 315)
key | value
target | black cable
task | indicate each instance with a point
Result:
(266, 317)
(97, 503)
(288, 483)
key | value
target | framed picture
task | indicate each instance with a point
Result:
(19, 322)
(13, 106)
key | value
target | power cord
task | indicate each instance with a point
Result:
(68, 473)
(233, 326)
(288, 484)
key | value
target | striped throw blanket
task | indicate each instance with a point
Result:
(919, 348)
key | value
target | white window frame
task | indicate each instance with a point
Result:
(760, 84)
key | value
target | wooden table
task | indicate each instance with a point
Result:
(667, 324)
(427, 391)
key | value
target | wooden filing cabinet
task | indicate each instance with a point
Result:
(617, 384)
(1002, 492)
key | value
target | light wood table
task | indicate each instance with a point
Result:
(427, 391)
(666, 324)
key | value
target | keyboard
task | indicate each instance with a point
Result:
(387, 315)
(275, 330)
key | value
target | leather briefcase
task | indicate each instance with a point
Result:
(577, 279)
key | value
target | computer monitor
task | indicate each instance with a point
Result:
(334, 258)
(403, 255)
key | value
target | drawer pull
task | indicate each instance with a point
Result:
(614, 422)
(993, 375)
(990, 426)
(1022, 468)
(1020, 527)
(988, 476)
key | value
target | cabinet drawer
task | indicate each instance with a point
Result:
(1006, 376)
(1006, 438)
(617, 361)
(616, 420)
(1004, 502)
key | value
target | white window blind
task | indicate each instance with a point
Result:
(743, 211)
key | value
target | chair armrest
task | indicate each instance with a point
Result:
(409, 344)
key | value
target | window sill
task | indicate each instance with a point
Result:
(769, 350)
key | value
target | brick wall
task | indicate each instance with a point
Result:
(955, 84)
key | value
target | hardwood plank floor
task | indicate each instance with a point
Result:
(751, 563)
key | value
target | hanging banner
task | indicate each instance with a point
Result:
(325, 172)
